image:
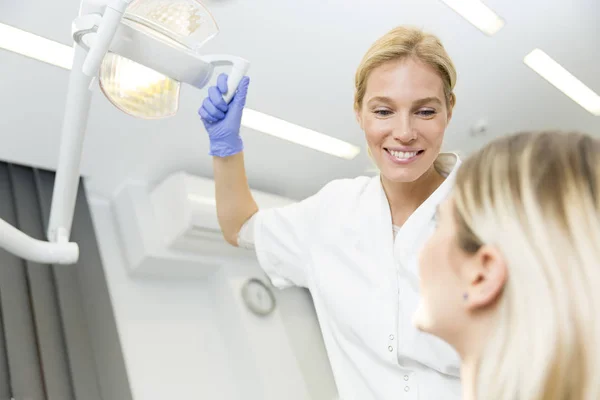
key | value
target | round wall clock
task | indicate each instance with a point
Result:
(258, 297)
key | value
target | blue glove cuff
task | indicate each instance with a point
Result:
(226, 148)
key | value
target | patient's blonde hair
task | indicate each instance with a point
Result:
(401, 43)
(536, 197)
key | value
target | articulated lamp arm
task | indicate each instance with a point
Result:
(97, 30)
(58, 249)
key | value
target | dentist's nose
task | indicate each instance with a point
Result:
(404, 131)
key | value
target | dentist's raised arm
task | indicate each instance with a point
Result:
(222, 121)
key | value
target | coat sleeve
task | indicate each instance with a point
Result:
(283, 236)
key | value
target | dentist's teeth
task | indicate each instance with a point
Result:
(403, 155)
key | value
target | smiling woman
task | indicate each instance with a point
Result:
(404, 92)
(411, 106)
(354, 244)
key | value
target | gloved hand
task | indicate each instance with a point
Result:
(221, 120)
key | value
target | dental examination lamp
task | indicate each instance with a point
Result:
(140, 52)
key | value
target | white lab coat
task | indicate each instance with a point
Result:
(339, 244)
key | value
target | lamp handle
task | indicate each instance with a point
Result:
(238, 71)
(239, 68)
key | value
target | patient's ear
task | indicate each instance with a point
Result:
(486, 275)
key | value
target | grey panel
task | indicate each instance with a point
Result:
(23, 359)
(77, 338)
(104, 337)
(51, 345)
(5, 262)
(58, 336)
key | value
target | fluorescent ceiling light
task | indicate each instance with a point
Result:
(37, 47)
(478, 14)
(563, 80)
(51, 52)
(299, 135)
(207, 201)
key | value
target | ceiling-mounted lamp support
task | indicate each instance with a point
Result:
(111, 18)
(140, 60)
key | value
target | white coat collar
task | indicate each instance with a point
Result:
(375, 216)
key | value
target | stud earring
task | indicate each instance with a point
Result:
(465, 296)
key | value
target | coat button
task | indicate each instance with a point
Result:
(390, 348)
(391, 337)
(406, 388)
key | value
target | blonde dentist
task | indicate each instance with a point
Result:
(354, 243)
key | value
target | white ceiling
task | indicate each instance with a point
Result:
(303, 54)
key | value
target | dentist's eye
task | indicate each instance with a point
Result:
(382, 113)
(426, 113)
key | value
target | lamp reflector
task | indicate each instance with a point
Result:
(137, 90)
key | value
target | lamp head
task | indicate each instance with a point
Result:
(156, 47)
(138, 90)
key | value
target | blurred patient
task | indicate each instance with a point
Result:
(511, 276)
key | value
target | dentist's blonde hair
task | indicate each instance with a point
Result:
(401, 43)
(536, 197)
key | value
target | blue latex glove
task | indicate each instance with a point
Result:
(221, 120)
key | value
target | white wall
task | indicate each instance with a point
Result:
(194, 339)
